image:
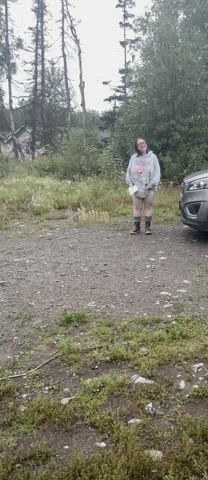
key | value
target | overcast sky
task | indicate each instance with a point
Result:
(99, 33)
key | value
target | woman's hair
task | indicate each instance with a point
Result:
(136, 148)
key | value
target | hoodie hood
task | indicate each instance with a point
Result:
(146, 154)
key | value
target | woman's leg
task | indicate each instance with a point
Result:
(148, 204)
(137, 208)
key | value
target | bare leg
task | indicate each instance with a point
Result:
(148, 203)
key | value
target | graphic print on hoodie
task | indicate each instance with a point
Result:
(144, 172)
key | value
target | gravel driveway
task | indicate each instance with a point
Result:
(103, 269)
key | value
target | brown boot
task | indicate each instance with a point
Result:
(136, 229)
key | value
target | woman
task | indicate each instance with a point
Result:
(144, 172)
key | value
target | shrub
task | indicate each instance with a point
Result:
(72, 318)
(110, 164)
(78, 158)
(187, 160)
(197, 159)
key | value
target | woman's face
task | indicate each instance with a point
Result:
(142, 146)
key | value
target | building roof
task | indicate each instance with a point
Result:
(6, 137)
(3, 135)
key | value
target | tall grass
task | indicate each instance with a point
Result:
(92, 198)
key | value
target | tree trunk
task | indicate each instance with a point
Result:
(125, 51)
(81, 84)
(43, 79)
(79, 51)
(63, 34)
(16, 147)
(35, 89)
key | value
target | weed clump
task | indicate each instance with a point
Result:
(21, 466)
(71, 318)
(7, 390)
(42, 411)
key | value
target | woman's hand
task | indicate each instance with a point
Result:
(151, 186)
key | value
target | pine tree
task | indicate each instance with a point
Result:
(126, 24)
(121, 92)
(56, 105)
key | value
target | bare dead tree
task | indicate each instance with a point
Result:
(10, 117)
(63, 45)
(36, 35)
(79, 52)
(3, 108)
(38, 94)
(43, 76)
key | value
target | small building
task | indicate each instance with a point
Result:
(104, 135)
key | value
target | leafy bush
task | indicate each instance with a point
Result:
(187, 160)
(78, 157)
(197, 159)
(110, 164)
(169, 169)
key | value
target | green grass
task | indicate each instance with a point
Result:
(199, 393)
(70, 353)
(178, 307)
(97, 200)
(183, 340)
(125, 460)
(117, 342)
(104, 399)
(72, 318)
(85, 407)
(118, 353)
(7, 390)
(20, 466)
(40, 411)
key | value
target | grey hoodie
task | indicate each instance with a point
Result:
(144, 172)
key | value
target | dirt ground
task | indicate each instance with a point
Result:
(98, 269)
(102, 269)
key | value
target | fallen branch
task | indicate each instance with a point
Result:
(56, 355)
(19, 375)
